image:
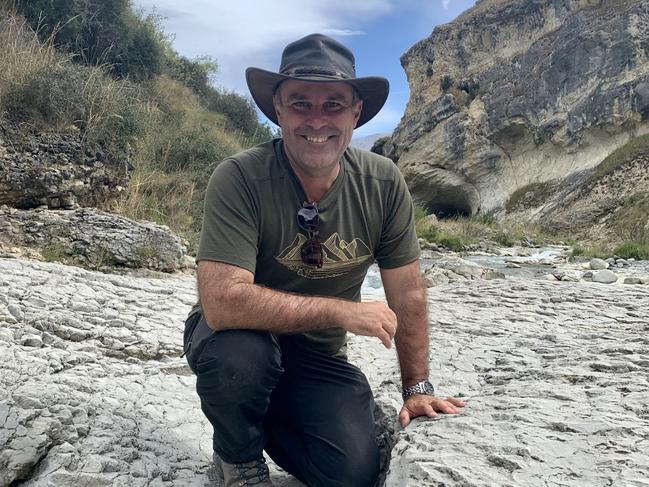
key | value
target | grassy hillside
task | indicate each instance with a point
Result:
(148, 106)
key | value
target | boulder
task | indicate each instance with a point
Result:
(605, 277)
(598, 264)
(93, 238)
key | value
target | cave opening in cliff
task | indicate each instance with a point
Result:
(452, 204)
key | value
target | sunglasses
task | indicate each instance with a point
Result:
(311, 250)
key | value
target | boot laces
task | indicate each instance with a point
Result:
(253, 473)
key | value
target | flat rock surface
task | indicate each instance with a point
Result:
(93, 392)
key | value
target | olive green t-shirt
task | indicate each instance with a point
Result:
(250, 221)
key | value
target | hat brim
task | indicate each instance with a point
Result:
(373, 90)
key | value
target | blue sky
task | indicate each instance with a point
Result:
(253, 33)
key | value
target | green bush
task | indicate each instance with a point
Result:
(505, 239)
(429, 233)
(633, 250)
(452, 242)
(190, 147)
(484, 218)
(193, 73)
(100, 32)
(49, 97)
(241, 114)
(63, 96)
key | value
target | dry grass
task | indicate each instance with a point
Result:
(22, 53)
(171, 140)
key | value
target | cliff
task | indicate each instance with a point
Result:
(520, 92)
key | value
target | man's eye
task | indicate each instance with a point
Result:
(332, 106)
(301, 105)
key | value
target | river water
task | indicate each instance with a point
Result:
(514, 262)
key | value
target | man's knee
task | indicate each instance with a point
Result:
(238, 363)
(356, 464)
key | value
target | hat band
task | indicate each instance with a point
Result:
(315, 70)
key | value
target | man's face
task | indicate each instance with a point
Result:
(317, 121)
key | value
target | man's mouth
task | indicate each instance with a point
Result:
(317, 139)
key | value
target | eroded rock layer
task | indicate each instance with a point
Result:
(57, 171)
(520, 91)
(93, 391)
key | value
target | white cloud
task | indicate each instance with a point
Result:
(383, 122)
(252, 33)
(446, 3)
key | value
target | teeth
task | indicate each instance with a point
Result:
(317, 140)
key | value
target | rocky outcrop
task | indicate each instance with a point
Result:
(93, 390)
(515, 92)
(93, 238)
(50, 188)
(56, 171)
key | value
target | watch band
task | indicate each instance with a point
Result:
(423, 387)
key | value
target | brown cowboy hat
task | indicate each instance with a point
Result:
(317, 57)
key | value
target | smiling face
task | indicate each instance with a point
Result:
(317, 120)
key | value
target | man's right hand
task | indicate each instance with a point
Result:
(369, 319)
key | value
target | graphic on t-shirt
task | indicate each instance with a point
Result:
(339, 257)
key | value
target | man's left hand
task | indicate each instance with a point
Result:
(423, 405)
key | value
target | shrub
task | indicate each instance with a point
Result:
(452, 242)
(505, 239)
(101, 32)
(195, 74)
(633, 250)
(48, 98)
(484, 218)
(241, 114)
(429, 233)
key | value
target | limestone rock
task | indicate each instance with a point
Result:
(56, 171)
(632, 280)
(605, 277)
(446, 269)
(93, 238)
(598, 264)
(106, 400)
(515, 92)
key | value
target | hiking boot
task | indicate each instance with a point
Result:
(243, 474)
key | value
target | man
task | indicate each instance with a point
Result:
(290, 229)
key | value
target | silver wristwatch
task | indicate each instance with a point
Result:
(423, 387)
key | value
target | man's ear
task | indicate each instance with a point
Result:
(358, 108)
(277, 111)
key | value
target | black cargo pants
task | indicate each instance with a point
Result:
(311, 412)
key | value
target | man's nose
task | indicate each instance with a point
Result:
(318, 117)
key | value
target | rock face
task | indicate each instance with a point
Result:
(515, 92)
(54, 170)
(93, 391)
(92, 238)
(45, 179)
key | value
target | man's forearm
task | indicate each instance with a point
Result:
(412, 333)
(244, 305)
(231, 300)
